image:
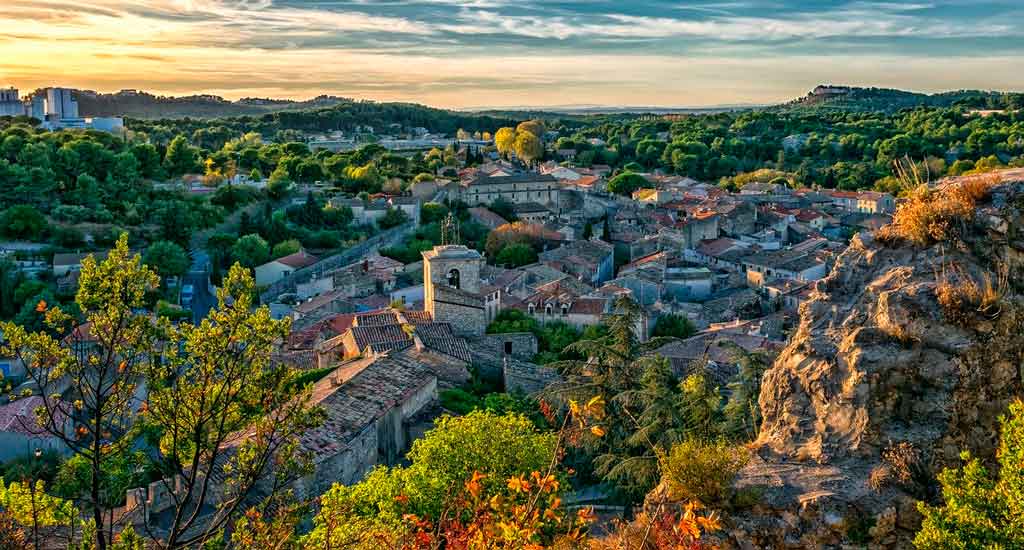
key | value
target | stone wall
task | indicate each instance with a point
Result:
(489, 351)
(528, 378)
(466, 320)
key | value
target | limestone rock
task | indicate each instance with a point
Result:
(875, 361)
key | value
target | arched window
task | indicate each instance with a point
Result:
(547, 309)
(532, 309)
(453, 278)
(565, 310)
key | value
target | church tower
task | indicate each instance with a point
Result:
(451, 284)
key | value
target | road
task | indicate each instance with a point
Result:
(199, 277)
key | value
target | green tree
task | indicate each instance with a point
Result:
(626, 182)
(284, 248)
(22, 222)
(207, 390)
(492, 446)
(28, 504)
(981, 511)
(516, 255)
(181, 157)
(280, 183)
(675, 326)
(167, 259)
(392, 218)
(92, 372)
(250, 251)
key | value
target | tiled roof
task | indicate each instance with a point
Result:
(440, 338)
(365, 336)
(298, 260)
(374, 319)
(368, 389)
(19, 416)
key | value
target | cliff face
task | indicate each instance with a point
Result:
(880, 366)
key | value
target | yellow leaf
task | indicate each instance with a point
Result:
(597, 430)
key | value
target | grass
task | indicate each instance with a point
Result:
(963, 298)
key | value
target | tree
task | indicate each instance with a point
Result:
(97, 366)
(219, 381)
(516, 255)
(481, 445)
(528, 147)
(504, 208)
(167, 259)
(588, 230)
(181, 157)
(251, 251)
(626, 182)
(675, 326)
(285, 248)
(28, 504)
(22, 222)
(280, 183)
(505, 140)
(535, 127)
(981, 511)
(392, 218)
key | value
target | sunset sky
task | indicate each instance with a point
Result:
(472, 53)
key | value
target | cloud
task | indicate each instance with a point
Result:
(493, 52)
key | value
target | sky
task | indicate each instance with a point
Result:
(504, 53)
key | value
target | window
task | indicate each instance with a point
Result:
(565, 310)
(531, 309)
(547, 309)
(508, 347)
(453, 278)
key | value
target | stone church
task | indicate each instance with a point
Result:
(451, 288)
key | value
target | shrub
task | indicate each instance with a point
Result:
(703, 471)
(930, 216)
(981, 511)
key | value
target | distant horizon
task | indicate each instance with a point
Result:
(469, 53)
(578, 108)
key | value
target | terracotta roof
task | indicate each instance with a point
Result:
(298, 260)
(588, 306)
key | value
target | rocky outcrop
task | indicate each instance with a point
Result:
(878, 363)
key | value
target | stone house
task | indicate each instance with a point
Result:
(516, 189)
(275, 270)
(591, 261)
(369, 405)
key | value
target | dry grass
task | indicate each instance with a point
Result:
(880, 477)
(934, 215)
(963, 299)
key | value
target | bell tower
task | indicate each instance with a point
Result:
(451, 283)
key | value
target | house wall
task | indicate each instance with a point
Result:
(465, 320)
(543, 192)
(271, 272)
(315, 287)
(489, 351)
(689, 289)
(17, 445)
(408, 295)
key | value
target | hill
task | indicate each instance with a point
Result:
(139, 104)
(827, 98)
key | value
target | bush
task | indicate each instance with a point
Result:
(459, 401)
(981, 511)
(932, 216)
(703, 471)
